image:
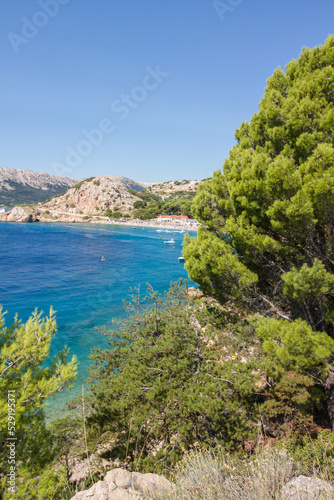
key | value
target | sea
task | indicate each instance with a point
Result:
(61, 265)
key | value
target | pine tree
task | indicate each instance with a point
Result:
(26, 381)
(267, 235)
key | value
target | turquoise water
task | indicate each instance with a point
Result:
(59, 265)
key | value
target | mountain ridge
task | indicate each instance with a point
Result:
(26, 186)
(18, 187)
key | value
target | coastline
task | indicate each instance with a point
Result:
(152, 223)
(29, 214)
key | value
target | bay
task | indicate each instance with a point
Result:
(59, 265)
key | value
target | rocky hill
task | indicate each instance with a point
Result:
(18, 187)
(97, 195)
(165, 189)
(110, 194)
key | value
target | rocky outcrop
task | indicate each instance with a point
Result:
(164, 189)
(120, 484)
(95, 196)
(307, 488)
(194, 293)
(21, 214)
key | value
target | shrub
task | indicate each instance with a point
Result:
(177, 392)
(216, 475)
(315, 456)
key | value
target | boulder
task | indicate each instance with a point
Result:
(194, 293)
(120, 484)
(307, 488)
(21, 214)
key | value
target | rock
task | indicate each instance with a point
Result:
(100, 491)
(149, 483)
(21, 214)
(194, 293)
(121, 477)
(307, 488)
(120, 484)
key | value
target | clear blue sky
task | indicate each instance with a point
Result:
(166, 82)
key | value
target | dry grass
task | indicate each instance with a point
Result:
(215, 476)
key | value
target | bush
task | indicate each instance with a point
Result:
(315, 456)
(77, 186)
(116, 215)
(160, 387)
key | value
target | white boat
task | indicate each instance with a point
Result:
(170, 242)
(181, 259)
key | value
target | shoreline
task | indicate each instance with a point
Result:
(151, 223)
(27, 214)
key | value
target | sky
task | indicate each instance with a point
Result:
(151, 90)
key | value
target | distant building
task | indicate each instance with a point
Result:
(173, 217)
(4, 210)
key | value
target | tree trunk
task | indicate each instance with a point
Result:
(330, 396)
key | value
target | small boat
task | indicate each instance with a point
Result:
(181, 259)
(170, 242)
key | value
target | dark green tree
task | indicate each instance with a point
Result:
(267, 235)
(167, 384)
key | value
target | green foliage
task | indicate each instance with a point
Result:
(296, 362)
(77, 186)
(48, 485)
(164, 387)
(274, 200)
(108, 213)
(149, 212)
(116, 215)
(26, 381)
(314, 456)
(214, 264)
(150, 205)
(139, 204)
(97, 182)
(295, 346)
(22, 194)
(267, 236)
